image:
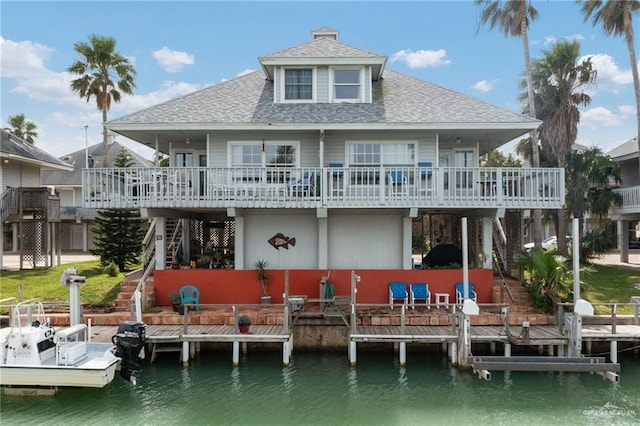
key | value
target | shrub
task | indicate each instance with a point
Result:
(595, 243)
(111, 269)
(546, 274)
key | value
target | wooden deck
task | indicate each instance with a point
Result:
(603, 333)
(538, 335)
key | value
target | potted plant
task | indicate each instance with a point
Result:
(264, 278)
(243, 324)
(175, 302)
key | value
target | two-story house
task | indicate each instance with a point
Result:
(76, 221)
(628, 214)
(321, 160)
(30, 214)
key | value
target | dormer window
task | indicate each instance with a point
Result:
(347, 84)
(298, 84)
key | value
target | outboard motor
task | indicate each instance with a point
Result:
(129, 342)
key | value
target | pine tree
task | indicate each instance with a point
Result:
(119, 235)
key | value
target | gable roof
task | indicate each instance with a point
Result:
(13, 148)
(625, 150)
(77, 159)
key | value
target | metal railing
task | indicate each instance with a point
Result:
(282, 187)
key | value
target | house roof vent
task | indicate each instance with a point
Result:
(324, 32)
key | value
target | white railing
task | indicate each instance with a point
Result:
(282, 187)
(630, 200)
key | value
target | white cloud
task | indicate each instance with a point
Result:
(245, 72)
(609, 74)
(600, 117)
(627, 110)
(23, 58)
(48, 86)
(484, 86)
(421, 58)
(167, 91)
(574, 37)
(172, 60)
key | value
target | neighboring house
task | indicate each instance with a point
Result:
(77, 221)
(28, 210)
(326, 145)
(627, 215)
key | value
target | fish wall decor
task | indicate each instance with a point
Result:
(280, 240)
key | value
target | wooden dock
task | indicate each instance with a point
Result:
(172, 338)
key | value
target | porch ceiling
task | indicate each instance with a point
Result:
(487, 138)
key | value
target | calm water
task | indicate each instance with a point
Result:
(322, 389)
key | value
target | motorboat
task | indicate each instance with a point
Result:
(34, 354)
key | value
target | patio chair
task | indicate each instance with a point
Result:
(420, 292)
(302, 187)
(398, 291)
(460, 293)
(425, 174)
(190, 294)
(396, 177)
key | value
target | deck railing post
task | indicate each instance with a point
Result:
(614, 309)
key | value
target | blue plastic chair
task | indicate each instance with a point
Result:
(337, 173)
(398, 291)
(425, 174)
(396, 177)
(460, 293)
(190, 294)
(420, 292)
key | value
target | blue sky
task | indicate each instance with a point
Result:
(178, 47)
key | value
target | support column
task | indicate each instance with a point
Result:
(15, 232)
(352, 353)
(161, 243)
(487, 242)
(614, 351)
(185, 354)
(403, 354)
(407, 243)
(507, 349)
(85, 237)
(236, 354)
(323, 239)
(239, 243)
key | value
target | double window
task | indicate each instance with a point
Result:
(250, 157)
(370, 156)
(298, 84)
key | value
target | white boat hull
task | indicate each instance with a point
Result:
(95, 373)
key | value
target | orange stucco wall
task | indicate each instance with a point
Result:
(241, 287)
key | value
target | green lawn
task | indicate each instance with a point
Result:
(607, 284)
(45, 284)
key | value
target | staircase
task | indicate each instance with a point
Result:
(123, 300)
(173, 230)
(520, 302)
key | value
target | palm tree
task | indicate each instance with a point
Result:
(590, 178)
(23, 128)
(557, 79)
(615, 16)
(512, 18)
(103, 74)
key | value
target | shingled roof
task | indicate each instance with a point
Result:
(78, 160)
(14, 148)
(397, 99)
